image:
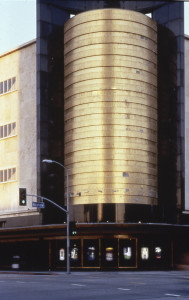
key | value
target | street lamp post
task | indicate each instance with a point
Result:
(67, 211)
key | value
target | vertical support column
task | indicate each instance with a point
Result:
(50, 262)
(100, 212)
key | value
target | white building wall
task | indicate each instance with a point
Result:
(19, 150)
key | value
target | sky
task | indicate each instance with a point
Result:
(18, 22)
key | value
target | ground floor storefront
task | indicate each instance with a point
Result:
(95, 246)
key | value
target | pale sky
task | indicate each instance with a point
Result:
(18, 22)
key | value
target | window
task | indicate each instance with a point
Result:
(14, 128)
(13, 83)
(1, 87)
(1, 176)
(1, 132)
(7, 85)
(13, 173)
(2, 224)
(7, 175)
(7, 130)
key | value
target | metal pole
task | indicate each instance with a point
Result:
(68, 222)
(67, 212)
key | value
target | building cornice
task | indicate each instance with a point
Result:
(18, 48)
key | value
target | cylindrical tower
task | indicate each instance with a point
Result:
(111, 107)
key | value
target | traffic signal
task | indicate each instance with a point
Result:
(72, 228)
(22, 196)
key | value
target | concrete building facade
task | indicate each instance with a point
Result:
(47, 118)
(106, 99)
(18, 140)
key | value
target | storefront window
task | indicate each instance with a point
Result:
(91, 253)
(127, 252)
(145, 253)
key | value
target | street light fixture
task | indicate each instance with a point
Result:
(50, 161)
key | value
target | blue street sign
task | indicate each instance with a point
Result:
(38, 204)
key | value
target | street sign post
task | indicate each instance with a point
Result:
(38, 204)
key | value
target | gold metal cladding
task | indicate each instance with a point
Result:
(109, 37)
(110, 68)
(121, 60)
(108, 14)
(128, 97)
(120, 50)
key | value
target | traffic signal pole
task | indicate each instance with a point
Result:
(68, 221)
(68, 214)
(68, 225)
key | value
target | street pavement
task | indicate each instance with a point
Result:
(164, 285)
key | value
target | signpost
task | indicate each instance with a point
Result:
(38, 204)
(42, 205)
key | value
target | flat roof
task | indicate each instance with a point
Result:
(18, 48)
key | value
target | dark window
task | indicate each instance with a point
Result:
(109, 212)
(13, 83)
(9, 129)
(9, 174)
(5, 175)
(5, 86)
(1, 131)
(1, 88)
(14, 128)
(5, 130)
(9, 84)
(91, 252)
(1, 176)
(13, 175)
(138, 213)
(90, 211)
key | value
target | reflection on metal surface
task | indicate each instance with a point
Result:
(111, 107)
